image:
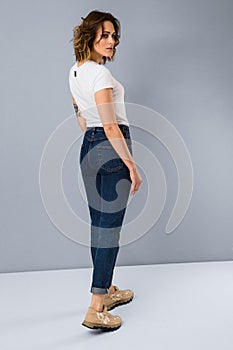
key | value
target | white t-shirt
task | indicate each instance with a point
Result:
(90, 77)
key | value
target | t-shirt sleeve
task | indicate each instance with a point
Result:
(103, 80)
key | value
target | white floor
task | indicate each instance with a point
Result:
(176, 306)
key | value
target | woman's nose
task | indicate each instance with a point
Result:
(111, 41)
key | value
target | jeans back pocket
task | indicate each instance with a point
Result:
(108, 158)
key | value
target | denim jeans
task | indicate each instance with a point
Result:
(107, 184)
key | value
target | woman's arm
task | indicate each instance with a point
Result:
(80, 119)
(105, 106)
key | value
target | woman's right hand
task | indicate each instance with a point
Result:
(136, 180)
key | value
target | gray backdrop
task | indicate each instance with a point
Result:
(175, 57)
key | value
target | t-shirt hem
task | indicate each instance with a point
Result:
(103, 87)
(100, 124)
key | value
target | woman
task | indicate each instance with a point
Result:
(108, 169)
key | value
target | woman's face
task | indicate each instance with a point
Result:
(104, 42)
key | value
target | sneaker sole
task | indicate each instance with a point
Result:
(103, 328)
(111, 307)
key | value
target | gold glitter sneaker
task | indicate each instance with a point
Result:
(119, 297)
(101, 319)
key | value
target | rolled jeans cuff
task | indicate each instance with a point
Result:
(97, 290)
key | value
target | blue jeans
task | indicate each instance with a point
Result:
(107, 184)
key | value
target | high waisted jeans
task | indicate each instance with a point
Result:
(107, 184)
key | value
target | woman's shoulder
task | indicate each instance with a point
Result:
(99, 67)
(90, 70)
(102, 72)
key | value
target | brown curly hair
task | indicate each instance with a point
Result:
(85, 34)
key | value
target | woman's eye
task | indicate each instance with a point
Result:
(106, 35)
